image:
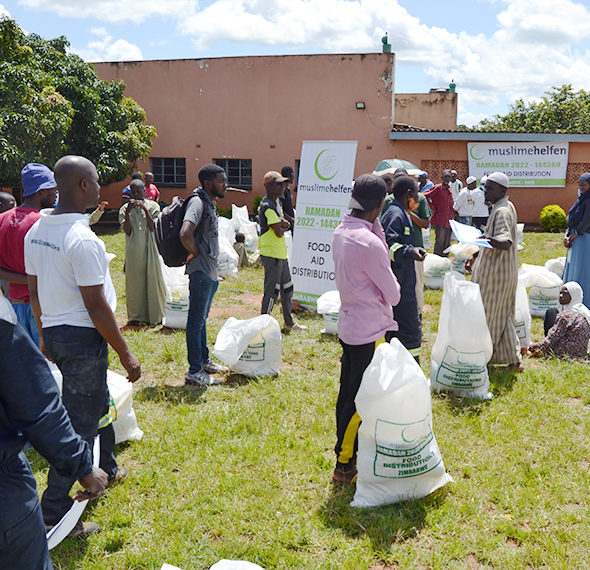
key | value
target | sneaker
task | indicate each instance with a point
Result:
(81, 530)
(294, 327)
(121, 473)
(201, 378)
(214, 368)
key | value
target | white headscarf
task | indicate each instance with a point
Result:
(577, 295)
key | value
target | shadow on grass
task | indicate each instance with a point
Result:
(502, 379)
(173, 394)
(383, 526)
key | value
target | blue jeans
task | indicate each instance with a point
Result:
(22, 533)
(81, 354)
(202, 290)
(25, 317)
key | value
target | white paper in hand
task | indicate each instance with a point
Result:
(468, 234)
(69, 520)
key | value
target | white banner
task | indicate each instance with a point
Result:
(540, 164)
(323, 193)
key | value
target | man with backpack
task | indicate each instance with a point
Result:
(199, 235)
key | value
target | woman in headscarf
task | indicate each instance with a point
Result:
(577, 239)
(567, 333)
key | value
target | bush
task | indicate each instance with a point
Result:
(553, 218)
(256, 203)
(224, 212)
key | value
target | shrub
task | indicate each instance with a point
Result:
(553, 218)
(256, 203)
(224, 212)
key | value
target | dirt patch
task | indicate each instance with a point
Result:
(246, 305)
(383, 566)
(472, 562)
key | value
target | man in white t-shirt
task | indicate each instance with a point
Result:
(73, 299)
(463, 204)
(455, 184)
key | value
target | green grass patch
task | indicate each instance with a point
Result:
(241, 471)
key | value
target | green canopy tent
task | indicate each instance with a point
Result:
(390, 165)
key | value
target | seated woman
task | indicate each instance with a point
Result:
(568, 332)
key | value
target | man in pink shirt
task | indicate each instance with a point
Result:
(151, 190)
(441, 203)
(368, 290)
(39, 191)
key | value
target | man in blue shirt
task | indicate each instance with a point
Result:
(399, 235)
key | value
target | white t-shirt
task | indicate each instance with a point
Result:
(464, 203)
(480, 210)
(65, 254)
(456, 187)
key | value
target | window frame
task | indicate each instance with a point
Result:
(232, 180)
(158, 171)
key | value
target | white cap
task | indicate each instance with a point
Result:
(471, 179)
(500, 178)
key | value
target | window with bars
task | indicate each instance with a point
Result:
(170, 172)
(238, 170)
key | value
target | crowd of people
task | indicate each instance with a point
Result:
(62, 304)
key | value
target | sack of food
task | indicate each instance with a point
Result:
(435, 268)
(544, 288)
(176, 302)
(522, 315)
(227, 262)
(398, 458)
(463, 345)
(461, 252)
(426, 238)
(329, 306)
(242, 224)
(251, 347)
(556, 266)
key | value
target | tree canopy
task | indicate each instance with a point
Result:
(53, 103)
(562, 110)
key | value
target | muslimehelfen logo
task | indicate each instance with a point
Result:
(326, 166)
(475, 151)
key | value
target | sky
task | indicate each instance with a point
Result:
(496, 51)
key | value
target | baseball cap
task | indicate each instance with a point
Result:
(500, 178)
(273, 176)
(422, 174)
(36, 177)
(471, 179)
(367, 192)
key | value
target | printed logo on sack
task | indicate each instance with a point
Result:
(462, 370)
(405, 450)
(254, 352)
(326, 166)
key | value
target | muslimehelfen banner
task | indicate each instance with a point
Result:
(323, 193)
(540, 164)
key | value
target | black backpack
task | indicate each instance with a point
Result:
(167, 231)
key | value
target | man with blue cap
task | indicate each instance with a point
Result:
(39, 191)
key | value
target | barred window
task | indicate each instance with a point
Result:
(238, 170)
(170, 172)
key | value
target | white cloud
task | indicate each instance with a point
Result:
(4, 11)
(113, 10)
(106, 49)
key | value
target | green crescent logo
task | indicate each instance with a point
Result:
(326, 166)
(404, 435)
(472, 155)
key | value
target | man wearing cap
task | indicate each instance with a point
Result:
(441, 202)
(424, 182)
(368, 290)
(455, 184)
(39, 191)
(200, 236)
(463, 205)
(481, 211)
(496, 272)
(273, 250)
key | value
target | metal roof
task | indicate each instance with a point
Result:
(409, 132)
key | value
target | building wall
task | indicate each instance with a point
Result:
(258, 108)
(435, 156)
(433, 111)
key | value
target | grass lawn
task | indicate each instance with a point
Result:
(241, 471)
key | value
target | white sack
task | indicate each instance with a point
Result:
(544, 288)
(398, 457)
(235, 565)
(519, 233)
(328, 305)
(463, 346)
(225, 228)
(435, 268)
(176, 303)
(426, 238)
(227, 262)
(556, 266)
(121, 390)
(289, 243)
(242, 224)
(461, 253)
(522, 315)
(251, 347)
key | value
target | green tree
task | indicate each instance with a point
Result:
(562, 110)
(53, 103)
